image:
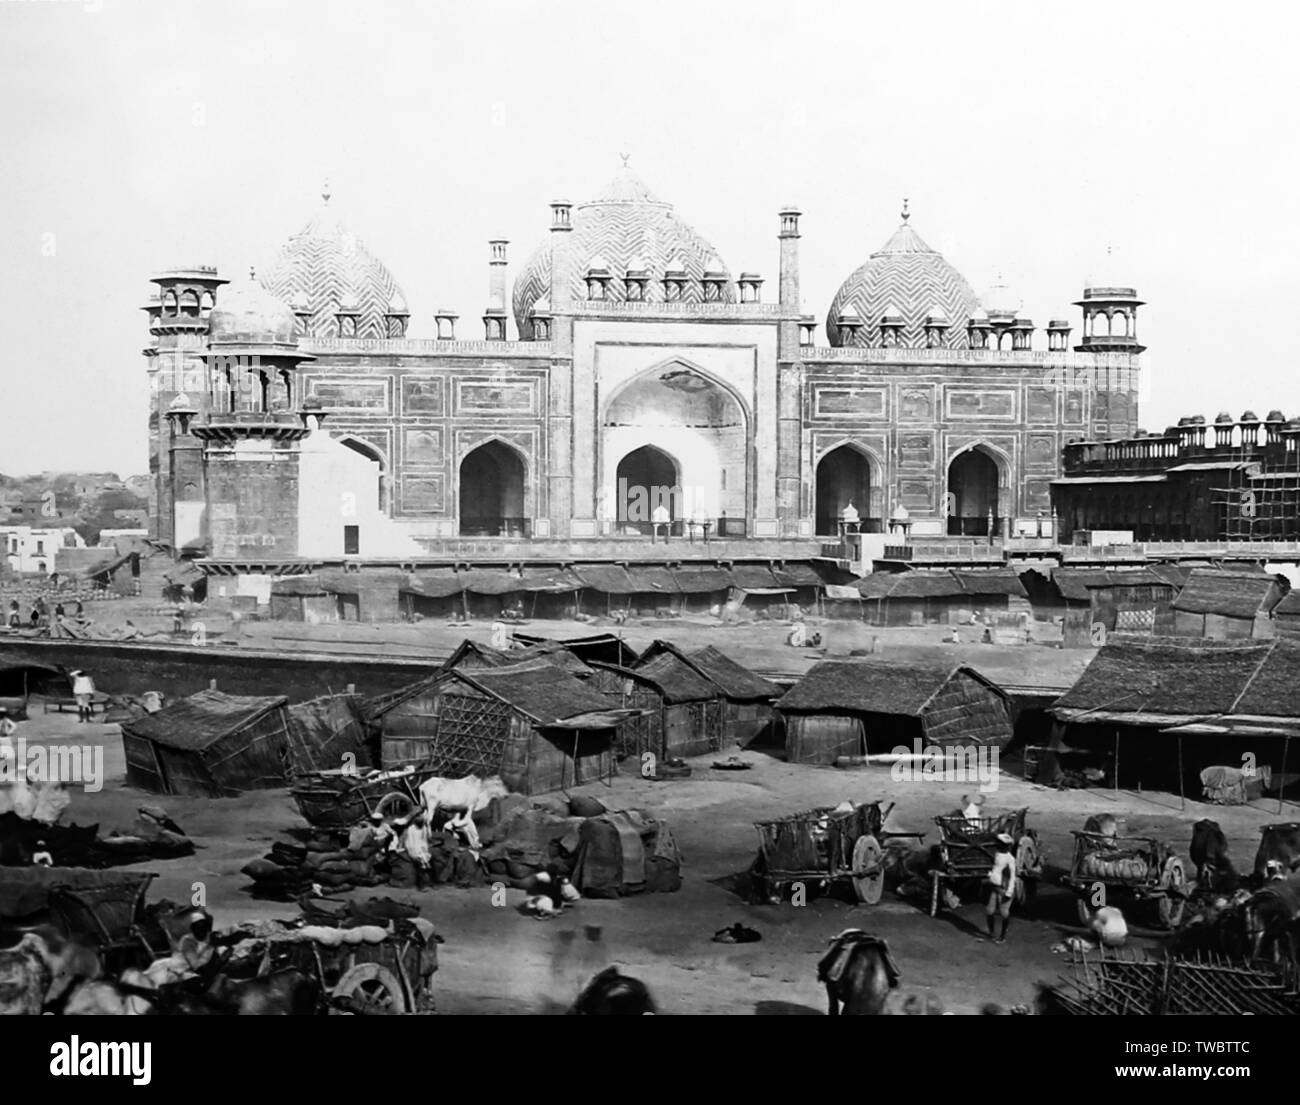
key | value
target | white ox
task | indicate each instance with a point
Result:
(464, 797)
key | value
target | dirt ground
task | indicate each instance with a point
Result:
(496, 960)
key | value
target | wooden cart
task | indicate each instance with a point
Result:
(967, 846)
(824, 845)
(341, 799)
(111, 914)
(391, 977)
(1135, 868)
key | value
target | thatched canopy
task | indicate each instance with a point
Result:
(873, 687)
(939, 584)
(202, 719)
(1159, 682)
(736, 683)
(606, 647)
(676, 680)
(1228, 594)
(548, 696)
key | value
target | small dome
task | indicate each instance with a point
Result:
(979, 315)
(714, 267)
(348, 301)
(1198, 420)
(542, 306)
(598, 264)
(1185, 420)
(850, 314)
(936, 314)
(1223, 417)
(1105, 275)
(181, 405)
(1001, 302)
(1275, 416)
(397, 305)
(638, 265)
(1249, 416)
(1058, 324)
(892, 314)
(250, 315)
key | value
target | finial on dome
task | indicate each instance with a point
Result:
(626, 158)
(906, 213)
(325, 191)
(252, 273)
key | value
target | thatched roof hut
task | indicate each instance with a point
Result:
(748, 698)
(535, 725)
(848, 707)
(935, 596)
(1222, 605)
(211, 744)
(1153, 704)
(683, 713)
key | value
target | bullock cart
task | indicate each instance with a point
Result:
(1107, 869)
(967, 846)
(111, 913)
(339, 799)
(824, 845)
(358, 975)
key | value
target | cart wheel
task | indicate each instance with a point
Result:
(374, 986)
(1026, 860)
(1173, 880)
(1085, 912)
(935, 879)
(867, 857)
(395, 804)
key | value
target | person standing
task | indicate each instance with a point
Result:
(83, 689)
(1001, 884)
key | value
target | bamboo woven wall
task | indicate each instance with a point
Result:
(966, 711)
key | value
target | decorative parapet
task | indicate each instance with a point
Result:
(423, 347)
(765, 312)
(1020, 358)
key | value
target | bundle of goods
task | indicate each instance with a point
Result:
(1115, 866)
(152, 836)
(331, 860)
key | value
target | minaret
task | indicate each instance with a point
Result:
(788, 290)
(494, 318)
(178, 327)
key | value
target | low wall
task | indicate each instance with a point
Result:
(120, 667)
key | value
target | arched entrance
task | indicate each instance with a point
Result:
(843, 478)
(647, 489)
(492, 493)
(695, 421)
(973, 494)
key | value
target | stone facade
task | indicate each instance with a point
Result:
(645, 364)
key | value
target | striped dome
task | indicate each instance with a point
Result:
(627, 228)
(325, 266)
(907, 278)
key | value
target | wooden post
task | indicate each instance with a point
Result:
(1117, 760)
(1182, 801)
(1281, 789)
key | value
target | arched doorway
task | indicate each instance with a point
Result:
(492, 493)
(647, 489)
(843, 478)
(696, 421)
(973, 495)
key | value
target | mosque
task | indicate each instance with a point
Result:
(647, 391)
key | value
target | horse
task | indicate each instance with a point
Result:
(465, 797)
(611, 993)
(858, 973)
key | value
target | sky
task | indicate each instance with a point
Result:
(138, 135)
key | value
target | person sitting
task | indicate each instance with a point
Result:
(41, 857)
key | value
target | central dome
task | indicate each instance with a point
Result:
(325, 266)
(625, 228)
(906, 278)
